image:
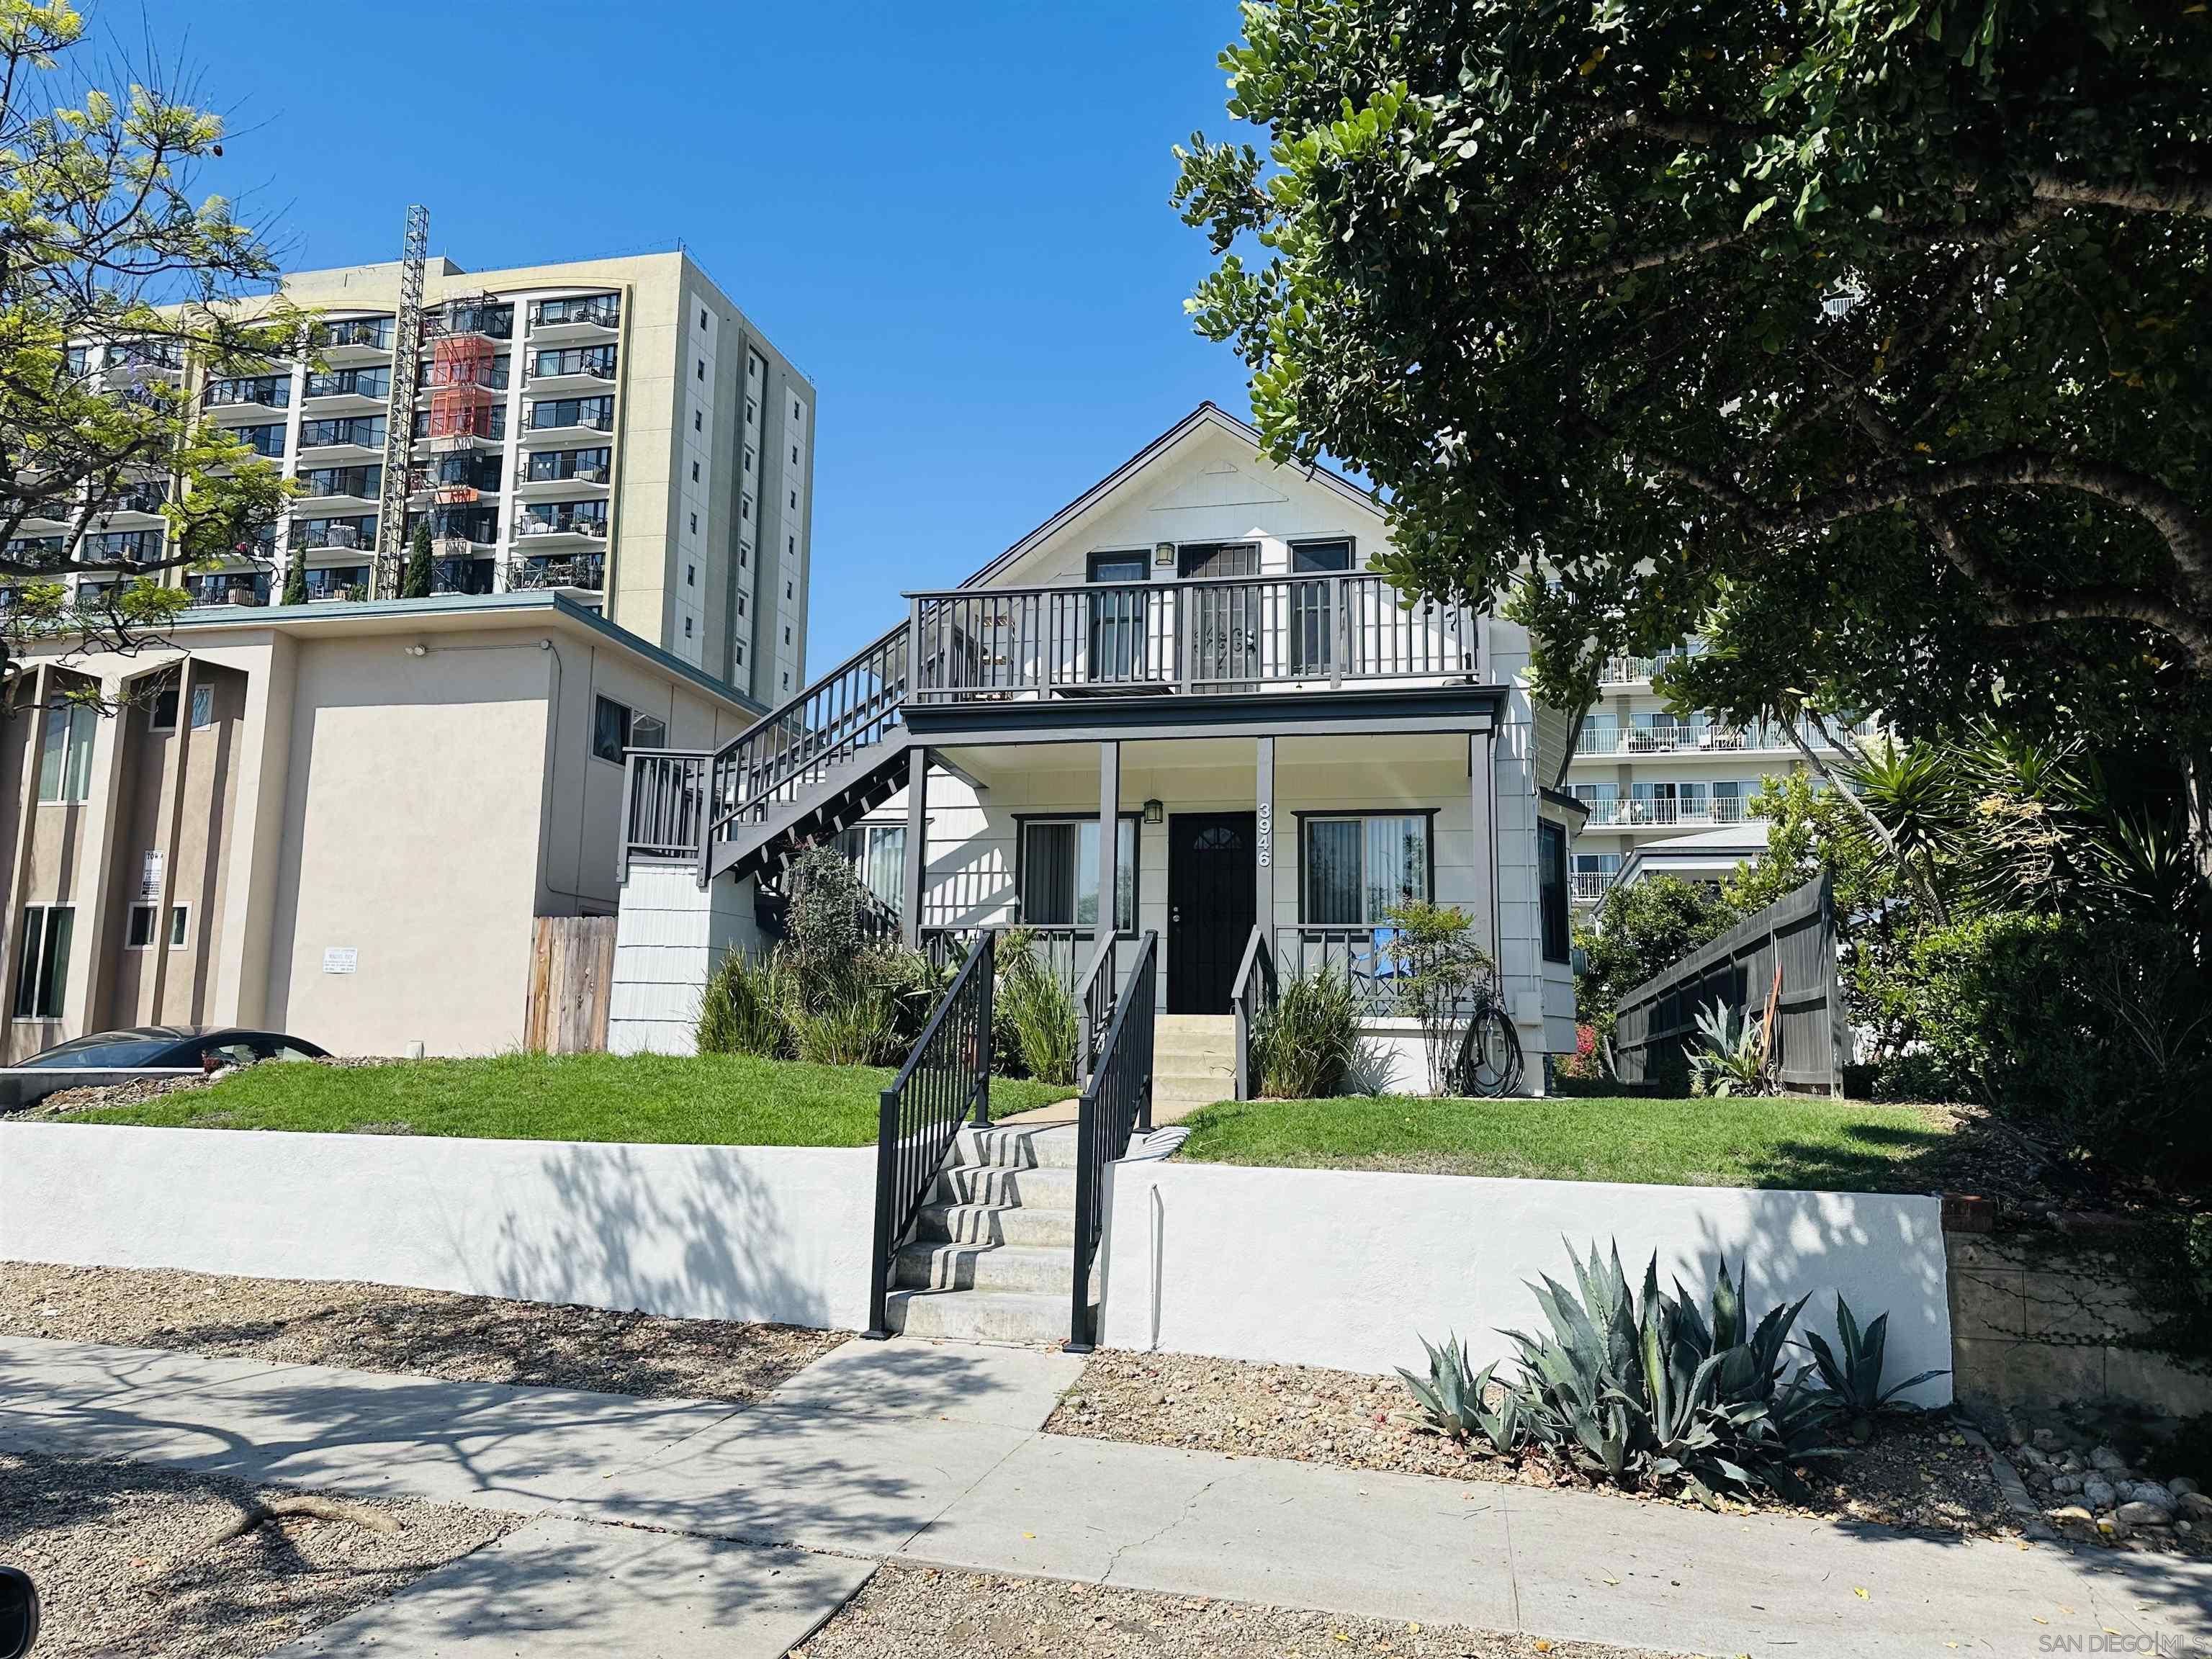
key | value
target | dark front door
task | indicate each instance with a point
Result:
(1211, 874)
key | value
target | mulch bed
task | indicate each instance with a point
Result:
(130, 1560)
(384, 1328)
(920, 1613)
(1918, 1472)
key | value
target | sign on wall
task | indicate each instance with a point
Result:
(150, 877)
(340, 958)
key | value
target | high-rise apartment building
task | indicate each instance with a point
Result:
(615, 428)
(1650, 775)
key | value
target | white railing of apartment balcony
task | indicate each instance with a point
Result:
(1699, 809)
(1701, 738)
(1222, 635)
(1588, 885)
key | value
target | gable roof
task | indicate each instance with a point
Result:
(1208, 414)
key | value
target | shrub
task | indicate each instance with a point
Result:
(1037, 1018)
(852, 1024)
(821, 923)
(1638, 931)
(741, 1010)
(1309, 1040)
(1442, 966)
(2095, 1041)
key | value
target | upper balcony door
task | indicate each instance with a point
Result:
(1226, 622)
(1116, 643)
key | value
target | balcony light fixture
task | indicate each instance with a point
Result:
(416, 649)
(1155, 812)
(1163, 553)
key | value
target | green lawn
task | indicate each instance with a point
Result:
(716, 1100)
(1828, 1144)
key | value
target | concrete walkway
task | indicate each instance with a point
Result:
(931, 1454)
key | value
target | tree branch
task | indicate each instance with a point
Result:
(2189, 197)
(1628, 264)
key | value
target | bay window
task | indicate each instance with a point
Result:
(1057, 876)
(1356, 867)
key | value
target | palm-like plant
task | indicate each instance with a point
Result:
(1850, 1372)
(1733, 1058)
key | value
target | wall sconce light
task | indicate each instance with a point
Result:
(1155, 813)
(1164, 553)
(418, 650)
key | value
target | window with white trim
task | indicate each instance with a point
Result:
(65, 752)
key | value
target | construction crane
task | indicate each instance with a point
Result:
(387, 571)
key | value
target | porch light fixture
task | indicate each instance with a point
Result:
(1164, 553)
(1155, 813)
(416, 650)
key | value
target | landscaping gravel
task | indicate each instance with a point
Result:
(917, 1612)
(384, 1328)
(1917, 1473)
(125, 1562)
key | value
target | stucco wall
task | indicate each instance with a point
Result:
(1352, 1270)
(410, 839)
(711, 1232)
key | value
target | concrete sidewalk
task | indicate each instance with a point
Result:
(931, 1454)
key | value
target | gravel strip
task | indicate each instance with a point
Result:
(917, 1612)
(125, 1562)
(1919, 1473)
(384, 1328)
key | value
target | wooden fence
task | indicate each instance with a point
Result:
(1655, 1024)
(572, 966)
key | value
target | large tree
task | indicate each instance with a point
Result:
(113, 278)
(1869, 335)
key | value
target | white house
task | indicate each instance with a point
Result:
(1197, 652)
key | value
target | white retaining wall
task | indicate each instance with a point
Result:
(1351, 1270)
(711, 1232)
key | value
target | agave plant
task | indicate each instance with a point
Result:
(1455, 1399)
(1639, 1390)
(1851, 1373)
(1733, 1060)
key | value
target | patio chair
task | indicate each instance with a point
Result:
(1377, 968)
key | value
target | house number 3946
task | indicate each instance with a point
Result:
(1267, 836)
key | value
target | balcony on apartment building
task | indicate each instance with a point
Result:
(1639, 671)
(135, 544)
(571, 368)
(354, 340)
(331, 584)
(459, 532)
(350, 535)
(346, 437)
(469, 374)
(584, 316)
(570, 418)
(228, 587)
(473, 314)
(346, 391)
(1700, 811)
(342, 484)
(477, 428)
(560, 521)
(546, 470)
(251, 394)
(584, 570)
(1322, 630)
(1587, 886)
(1701, 736)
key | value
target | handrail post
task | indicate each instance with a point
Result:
(1081, 1339)
(1335, 630)
(985, 1042)
(880, 1266)
(628, 827)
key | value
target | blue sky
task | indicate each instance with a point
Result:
(954, 217)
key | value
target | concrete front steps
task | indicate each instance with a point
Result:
(993, 1258)
(1193, 1063)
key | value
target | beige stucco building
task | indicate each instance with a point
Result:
(339, 820)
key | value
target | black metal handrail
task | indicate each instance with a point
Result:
(1094, 995)
(945, 1079)
(1253, 1000)
(855, 704)
(663, 804)
(1117, 1103)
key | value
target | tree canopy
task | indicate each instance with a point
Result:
(1868, 336)
(113, 279)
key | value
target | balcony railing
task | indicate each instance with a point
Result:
(1703, 737)
(265, 391)
(562, 524)
(335, 537)
(1627, 671)
(1232, 635)
(1704, 810)
(1587, 885)
(375, 332)
(601, 311)
(588, 570)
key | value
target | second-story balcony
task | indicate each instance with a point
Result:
(1699, 737)
(1238, 634)
(583, 570)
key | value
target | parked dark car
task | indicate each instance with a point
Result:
(143, 1051)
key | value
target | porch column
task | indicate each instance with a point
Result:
(917, 841)
(1109, 838)
(1263, 862)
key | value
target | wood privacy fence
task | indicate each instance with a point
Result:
(571, 965)
(1655, 1024)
